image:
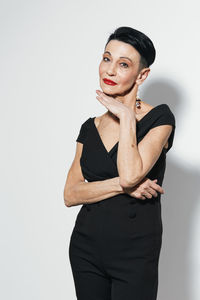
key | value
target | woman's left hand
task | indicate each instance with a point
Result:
(113, 105)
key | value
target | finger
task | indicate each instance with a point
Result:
(157, 187)
(101, 100)
(146, 194)
(98, 92)
(103, 96)
(152, 192)
(137, 195)
(104, 100)
(141, 197)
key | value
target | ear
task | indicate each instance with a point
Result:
(142, 75)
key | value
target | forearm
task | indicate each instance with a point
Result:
(90, 192)
(129, 161)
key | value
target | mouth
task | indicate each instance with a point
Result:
(109, 82)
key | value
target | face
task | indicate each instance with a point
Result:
(120, 63)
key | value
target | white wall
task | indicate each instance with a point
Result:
(50, 52)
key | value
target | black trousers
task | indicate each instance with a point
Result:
(114, 250)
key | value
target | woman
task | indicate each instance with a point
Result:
(115, 244)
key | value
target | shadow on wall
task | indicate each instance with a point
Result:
(178, 204)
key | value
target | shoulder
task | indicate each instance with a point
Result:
(166, 113)
(86, 124)
(83, 130)
(162, 114)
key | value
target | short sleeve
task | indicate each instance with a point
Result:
(166, 117)
(83, 132)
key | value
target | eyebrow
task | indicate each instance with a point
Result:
(120, 56)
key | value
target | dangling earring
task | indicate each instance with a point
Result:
(138, 101)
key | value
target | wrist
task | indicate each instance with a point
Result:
(127, 115)
(117, 185)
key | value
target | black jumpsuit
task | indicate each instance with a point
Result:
(115, 244)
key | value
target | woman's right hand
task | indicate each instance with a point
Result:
(147, 188)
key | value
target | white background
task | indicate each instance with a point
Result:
(49, 57)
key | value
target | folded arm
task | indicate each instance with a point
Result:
(77, 191)
(135, 161)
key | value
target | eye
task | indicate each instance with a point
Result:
(107, 59)
(125, 64)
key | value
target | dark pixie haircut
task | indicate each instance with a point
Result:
(139, 41)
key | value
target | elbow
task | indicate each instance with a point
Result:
(128, 182)
(67, 202)
(71, 196)
(67, 199)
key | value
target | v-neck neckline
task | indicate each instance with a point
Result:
(138, 122)
(95, 127)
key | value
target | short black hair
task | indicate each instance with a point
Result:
(140, 41)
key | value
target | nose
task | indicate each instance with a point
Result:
(111, 71)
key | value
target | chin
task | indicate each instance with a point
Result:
(108, 90)
(112, 91)
(109, 93)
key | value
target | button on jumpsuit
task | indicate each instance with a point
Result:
(115, 244)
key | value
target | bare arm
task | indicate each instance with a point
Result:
(91, 192)
(77, 191)
(135, 161)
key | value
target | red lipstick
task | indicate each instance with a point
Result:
(109, 82)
